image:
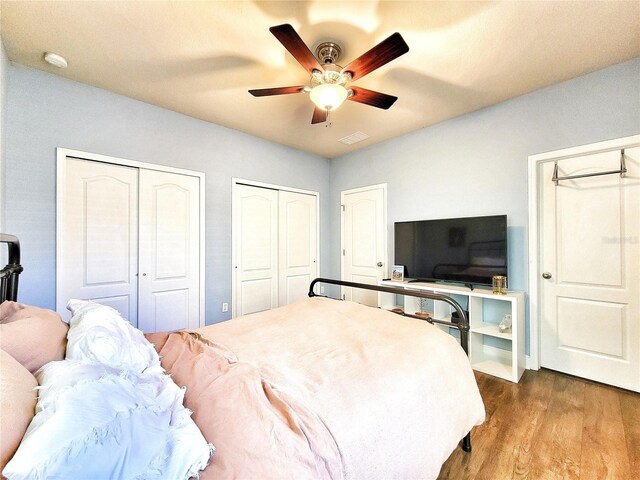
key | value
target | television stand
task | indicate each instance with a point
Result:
(490, 351)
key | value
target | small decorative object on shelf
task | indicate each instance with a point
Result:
(397, 274)
(505, 324)
(499, 284)
(423, 309)
(455, 316)
(399, 311)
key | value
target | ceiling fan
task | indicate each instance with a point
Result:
(327, 87)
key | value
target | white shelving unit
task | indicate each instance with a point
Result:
(490, 351)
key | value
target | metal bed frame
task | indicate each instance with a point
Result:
(462, 325)
(9, 291)
(9, 274)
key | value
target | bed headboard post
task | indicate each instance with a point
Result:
(9, 274)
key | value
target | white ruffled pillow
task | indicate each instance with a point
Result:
(97, 418)
(99, 334)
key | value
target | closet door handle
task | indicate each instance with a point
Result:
(546, 275)
(379, 264)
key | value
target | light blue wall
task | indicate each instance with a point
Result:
(4, 69)
(472, 165)
(47, 111)
(476, 164)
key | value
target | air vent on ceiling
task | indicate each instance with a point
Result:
(354, 138)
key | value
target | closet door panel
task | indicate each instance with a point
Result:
(256, 249)
(98, 236)
(169, 281)
(298, 242)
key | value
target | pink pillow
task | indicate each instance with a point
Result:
(8, 308)
(17, 403)
(32, 335)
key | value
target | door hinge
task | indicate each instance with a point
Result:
(342, 207)
(343, 252)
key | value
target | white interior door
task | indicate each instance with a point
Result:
(256, 249)
(590, 258)
(298, 245)
(364, 246)
(169, 281)
(98, 236)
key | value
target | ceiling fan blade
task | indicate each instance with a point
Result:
(292, 42)
(319, 115)
(265, 92)
(381, 54)
(370, 97)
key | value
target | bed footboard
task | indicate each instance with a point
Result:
(462, 325)
(9, 274)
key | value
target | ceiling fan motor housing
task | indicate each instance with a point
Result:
(328, 52)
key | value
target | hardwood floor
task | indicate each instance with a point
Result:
(551, 426)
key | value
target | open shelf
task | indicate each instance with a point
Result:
(493, 367)
(492, 330)
(490, 351)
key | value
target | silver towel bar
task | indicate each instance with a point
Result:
(621, 171)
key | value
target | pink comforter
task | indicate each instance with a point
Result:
(258, 431)
(326, 388)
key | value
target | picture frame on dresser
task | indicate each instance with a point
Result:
(397, 273)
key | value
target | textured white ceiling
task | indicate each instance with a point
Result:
(200, 58)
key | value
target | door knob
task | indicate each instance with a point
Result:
(546, 275)
(379, 264)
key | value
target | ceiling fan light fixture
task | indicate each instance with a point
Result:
(328, 96)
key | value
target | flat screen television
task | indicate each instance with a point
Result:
(467, 250)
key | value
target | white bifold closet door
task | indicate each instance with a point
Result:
(275, 236)
(129, 238)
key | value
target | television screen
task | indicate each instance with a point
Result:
(463, 250)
